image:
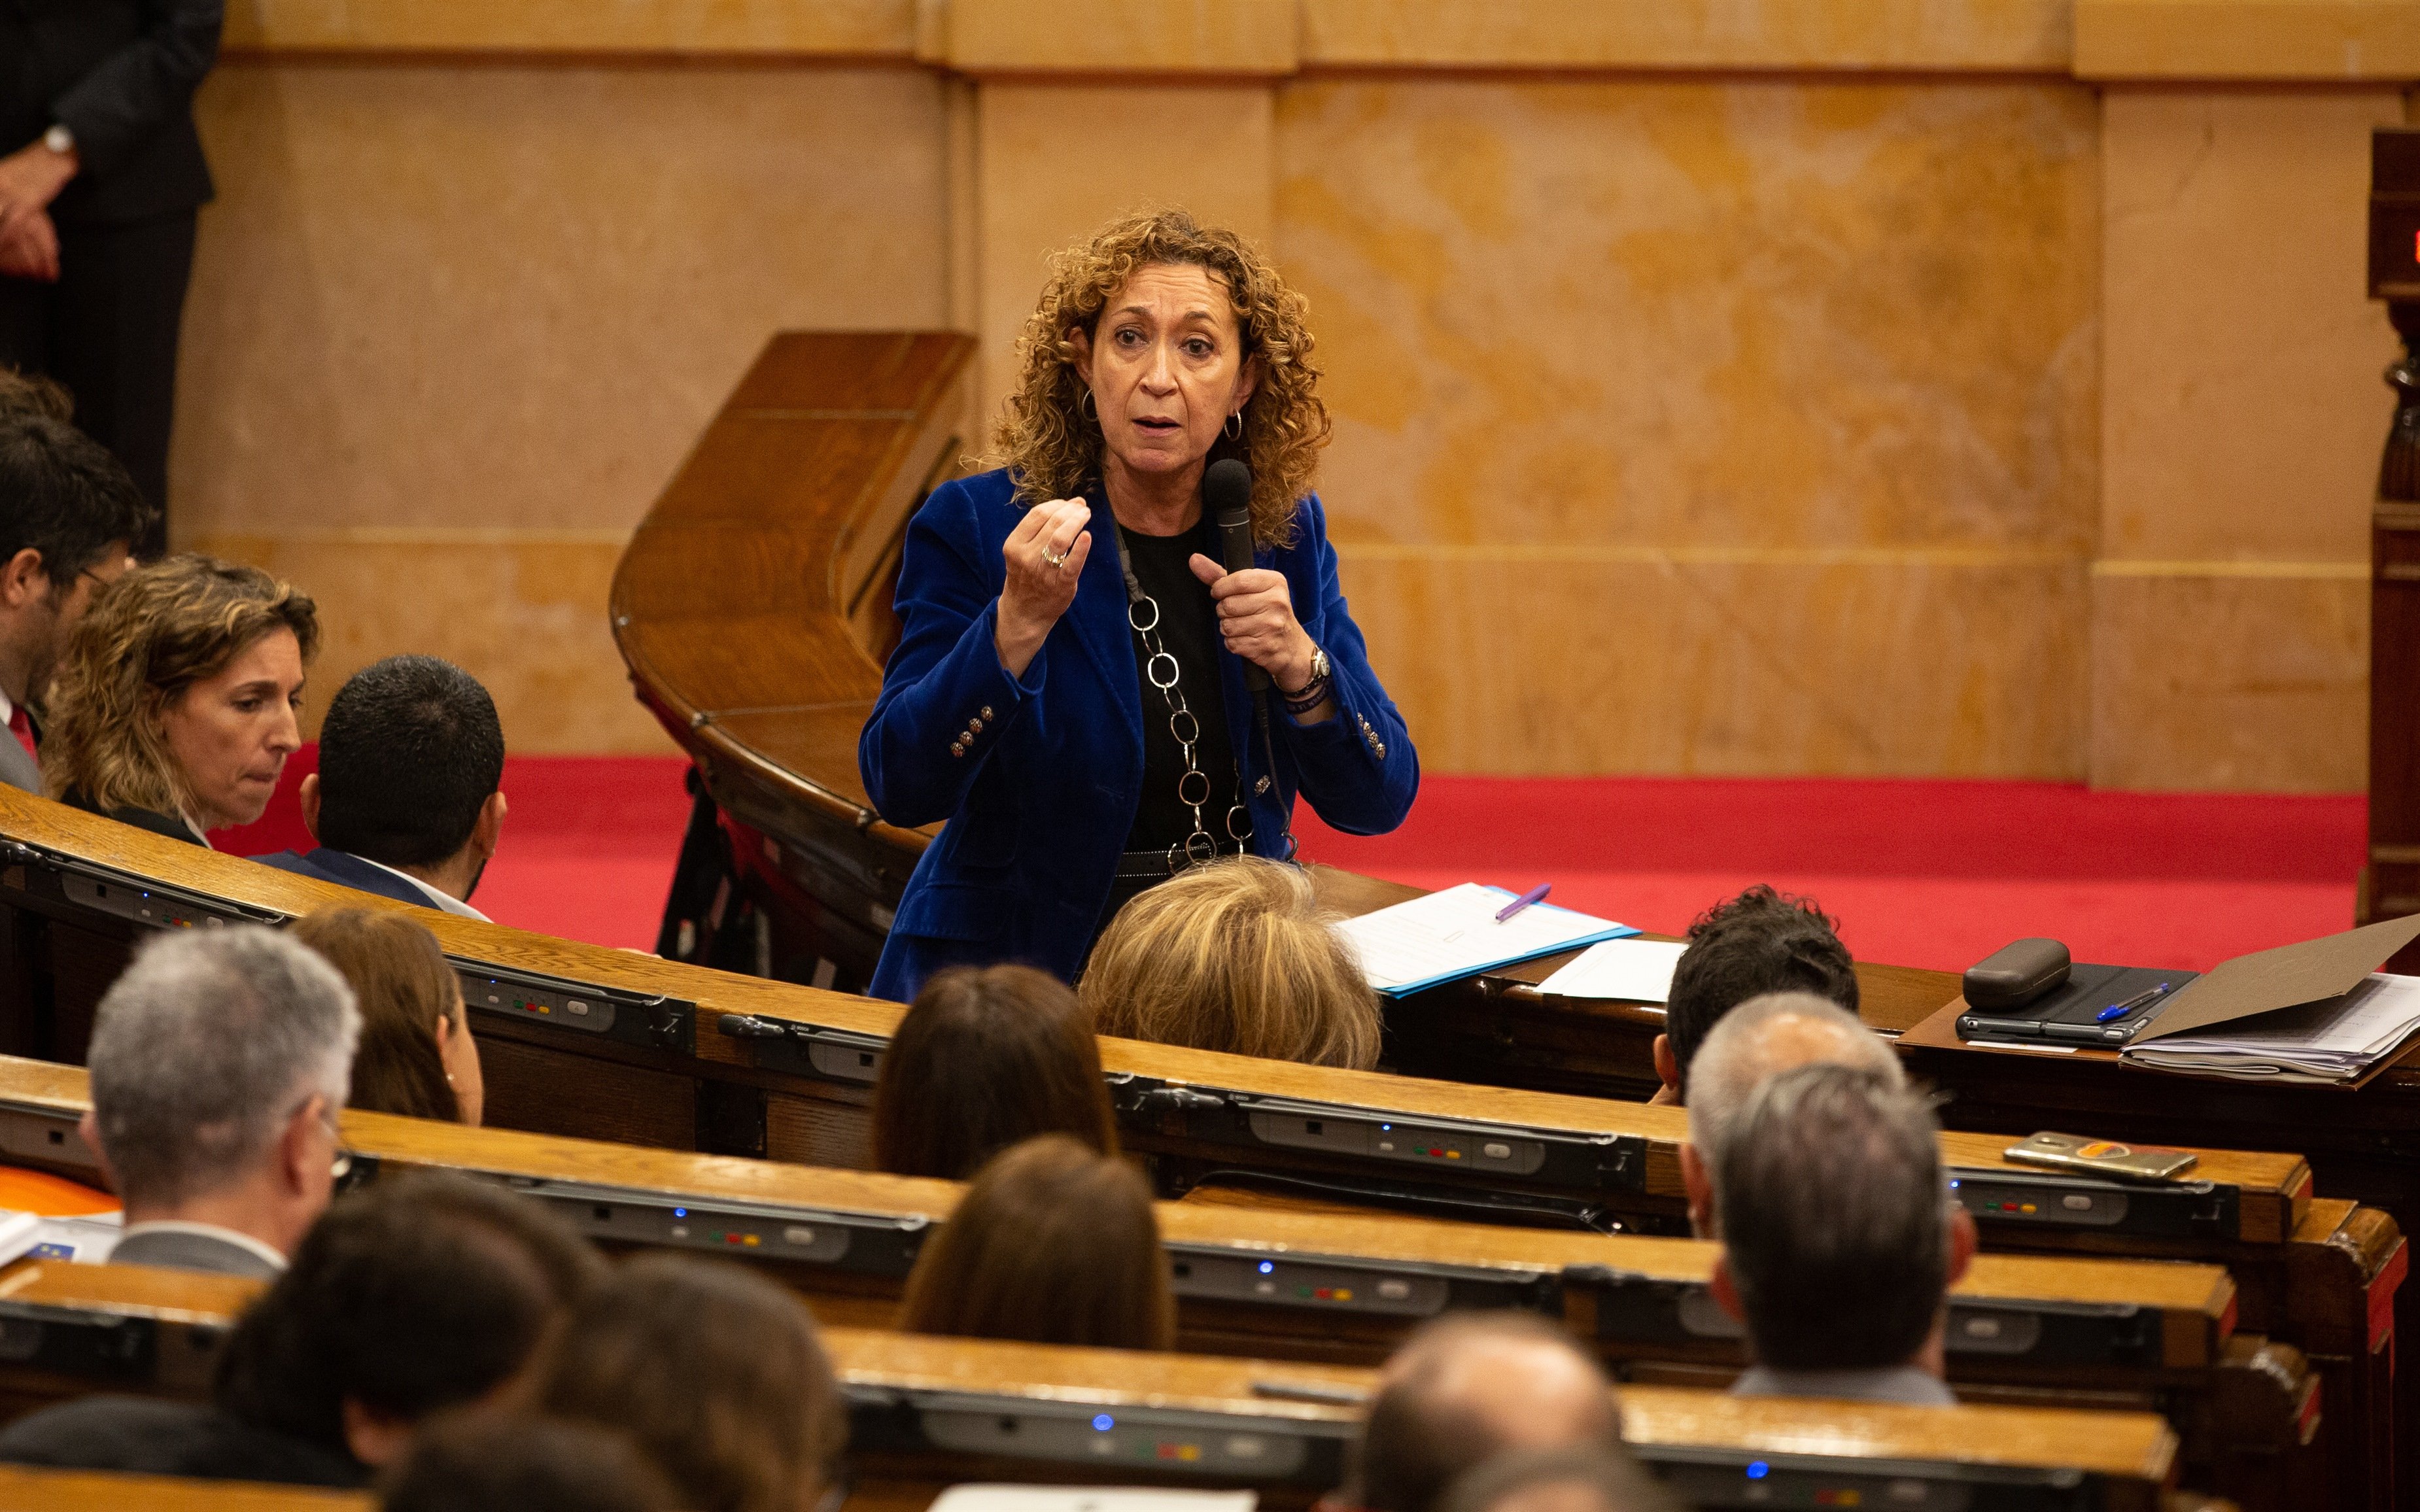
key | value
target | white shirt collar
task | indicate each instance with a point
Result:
(229, 1236)
(436, 899)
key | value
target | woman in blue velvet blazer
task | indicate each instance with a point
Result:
(1039, 682)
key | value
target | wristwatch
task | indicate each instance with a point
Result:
(1318, 672)
(59, 140)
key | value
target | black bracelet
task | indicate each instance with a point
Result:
(1312, 696)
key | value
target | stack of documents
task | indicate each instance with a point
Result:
(1637, 971)
(2334, 1039)
(1447, 936)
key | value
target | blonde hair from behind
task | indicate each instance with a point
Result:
(147, 638)
(1236, 956)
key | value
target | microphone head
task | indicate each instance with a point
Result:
(1226, 491)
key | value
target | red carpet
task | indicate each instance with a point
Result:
(1918, 872)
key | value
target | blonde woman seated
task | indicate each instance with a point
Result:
(174, 708)
(416, 1056)
(1236, 956)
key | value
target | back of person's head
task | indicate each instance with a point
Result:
(1236, 956)
(1470, 1386)
(1770, 1034)
(416, 1294)
(62, 493)
(715, 1371)
(399, 976)
(1835, 1219)
(409, 751)
(986, 1058)
(478, 1461)
(1053, 1243)
(148, 637)
(1759, 942)
(1593, 1478)
(204, 1049)
(31, 393)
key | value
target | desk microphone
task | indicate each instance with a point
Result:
(1227, 493)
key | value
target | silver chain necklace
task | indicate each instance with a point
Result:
(1194, 788)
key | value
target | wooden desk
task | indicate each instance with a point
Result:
(926, 1412)
(26, 1490)
(1305, 1286)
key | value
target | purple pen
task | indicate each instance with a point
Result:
(1523, 901)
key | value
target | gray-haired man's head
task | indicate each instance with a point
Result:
(1839, 1238)
(205, 1054)
(1761, 1036)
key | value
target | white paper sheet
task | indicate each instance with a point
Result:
(1454, 933)
(1639, 971)
(2334, 1040)
(984, 1497)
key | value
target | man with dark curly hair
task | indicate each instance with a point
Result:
(1759, 941)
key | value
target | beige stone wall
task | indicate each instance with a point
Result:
(1856, 386)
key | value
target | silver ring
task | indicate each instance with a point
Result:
(1059, 561)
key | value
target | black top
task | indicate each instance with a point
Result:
(1188, 630)
(138, 1436)
(158, 824)
(120, 74)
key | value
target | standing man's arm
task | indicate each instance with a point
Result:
(103, 118)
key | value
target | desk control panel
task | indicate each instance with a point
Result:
(827, 1055)
(2167, 1210)
(1741, 1478)
(1329, 1283)
(1636, 1312)
(864, 1243)
(1127, 1439)
(656, 1022)
(85, 886)
(1457, 1150)
(85, 1345)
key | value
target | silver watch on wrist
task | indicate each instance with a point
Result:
(59, 140)
(1318, 673)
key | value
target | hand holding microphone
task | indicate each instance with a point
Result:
(1255, 605)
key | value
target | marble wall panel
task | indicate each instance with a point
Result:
(1564, 662)
(488, 296)
(2246, 682)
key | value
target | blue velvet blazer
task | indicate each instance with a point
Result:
(1039, 777)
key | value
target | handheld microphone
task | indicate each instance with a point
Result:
(1226, 494)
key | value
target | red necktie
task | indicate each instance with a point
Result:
(23, 729)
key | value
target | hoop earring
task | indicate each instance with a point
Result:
(1235, 426)
(1084, 405)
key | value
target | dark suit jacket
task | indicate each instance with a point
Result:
(179, 1250)
(138, 1436)
(346, 870)
(158, 824)
(1040, 800)
(120, 74)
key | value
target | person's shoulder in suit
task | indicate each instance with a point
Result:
(139, 1436)
(18, 767)
(346, 870)
(172, 826)
(185, 1247)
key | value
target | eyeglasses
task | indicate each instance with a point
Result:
(341, 1165)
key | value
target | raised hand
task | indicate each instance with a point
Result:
(1045, 556)
(1256, 620)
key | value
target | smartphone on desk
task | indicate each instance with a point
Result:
(2101, 1157)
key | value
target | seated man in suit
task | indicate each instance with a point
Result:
(1759, 941)
(1753, 1042)
(219, 1061)
(405, 803)
(1467, 1388)
(1840, 1240)
(69, 515)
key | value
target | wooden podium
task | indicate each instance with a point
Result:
(2390, 881)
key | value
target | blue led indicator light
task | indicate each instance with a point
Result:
(1758, 1469)
(1267, 1266)
(680, 1212)
(1104, 1422)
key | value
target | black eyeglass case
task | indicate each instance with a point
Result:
(2015, 974)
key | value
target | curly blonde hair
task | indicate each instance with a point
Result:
(148, 637)
(1053, 450)
(1236, 956)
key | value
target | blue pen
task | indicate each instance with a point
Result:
(1523, 901)
(2118, 1011)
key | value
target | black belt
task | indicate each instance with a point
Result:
(1158, 865)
